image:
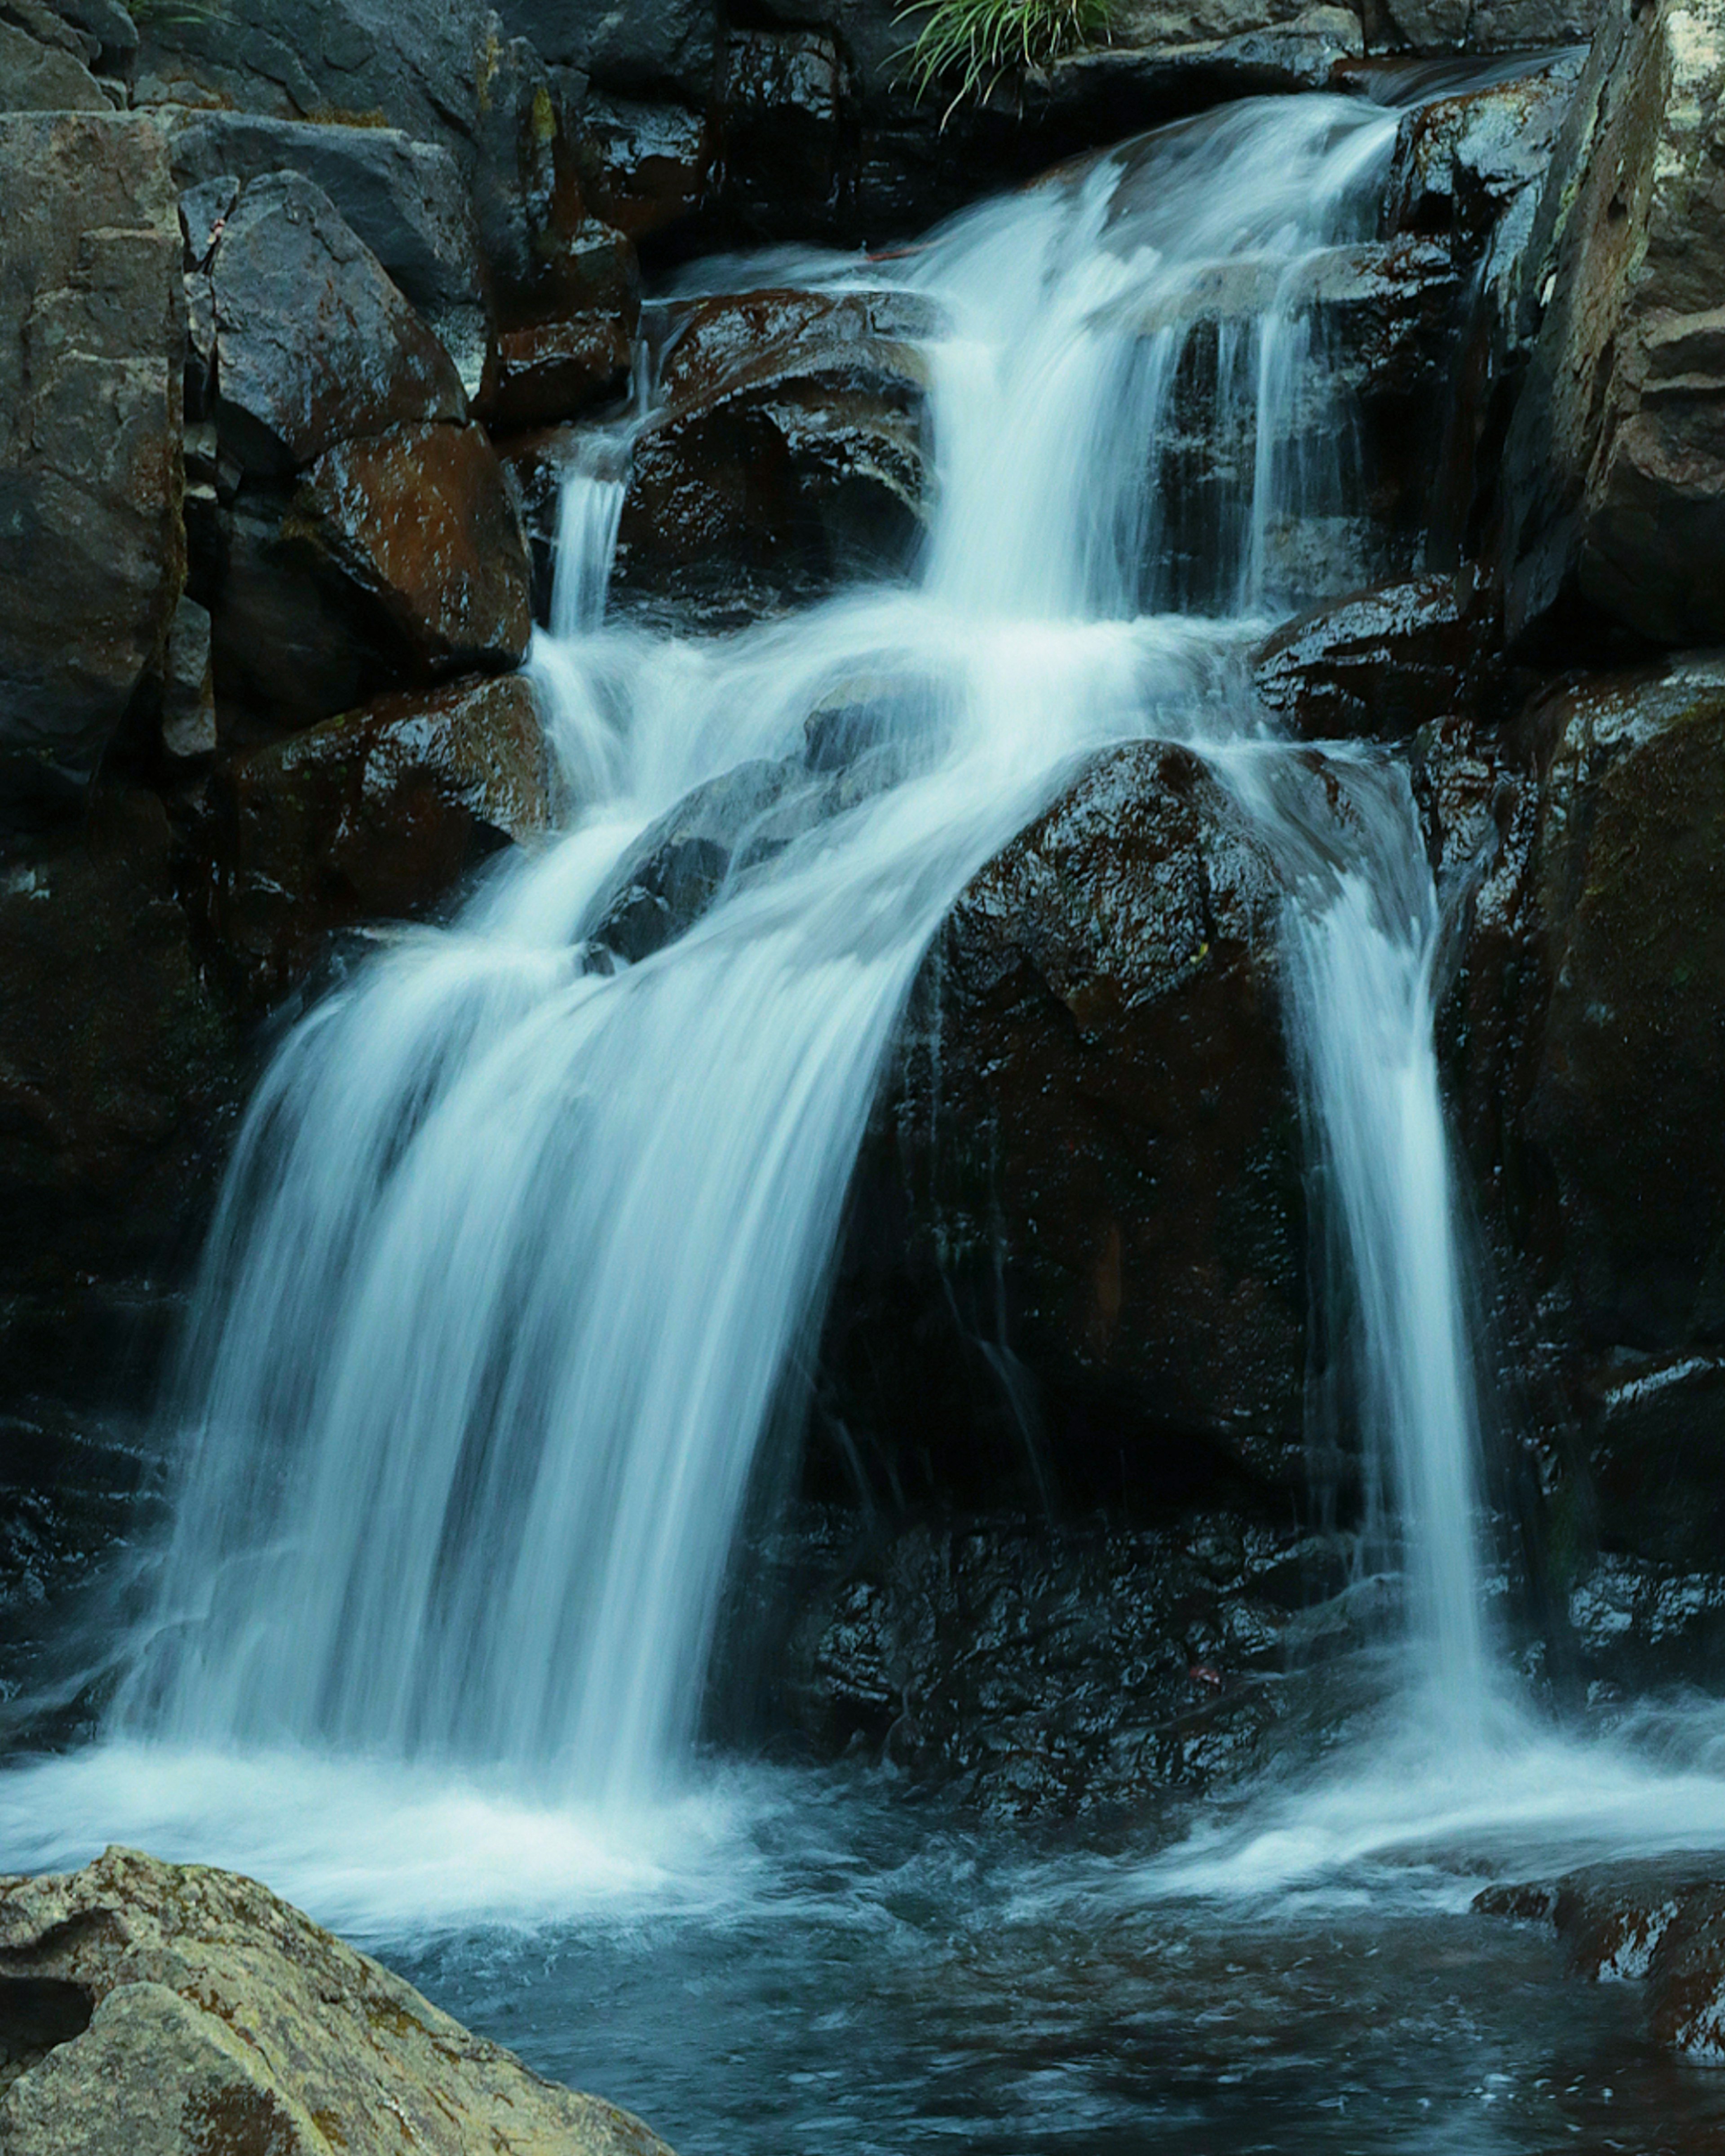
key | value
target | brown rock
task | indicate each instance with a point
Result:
(169, 2010)
(92, 550)
(1383, 663)
(372, 816)
(421, 522)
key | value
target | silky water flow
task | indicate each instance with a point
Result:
(530, 1224)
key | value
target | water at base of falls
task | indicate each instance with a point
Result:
(522, 1240)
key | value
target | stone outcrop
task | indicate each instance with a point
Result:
(1383, 663)
(91, 549)
(1079, 1215)
(1614, 469)
(170, 2011)
(373, 816)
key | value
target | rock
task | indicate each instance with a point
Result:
(188, 687)
(1653, 1436)
(372, 816)
(1488, 26)
(91, 551)
(527, 195)
(634, 48)
(787, 445)
(1383, 663)
(315, 346)
(1641, 1625)
(37, 75)
(583, 351)
(645, 167)
(170, 2009)
(421, 522)
(1461, 161)
(407, 200)
(1035, 1670)
(1629, 881)
(1081, 1198)
(117, 1064)
(1615, 468)
(787, 120)
(1660, 1920)
(1136, 81)
(356, 62)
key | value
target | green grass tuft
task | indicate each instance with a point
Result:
(969, 45)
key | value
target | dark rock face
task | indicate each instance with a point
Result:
(1613, 477)
(1082, 1192)
(406, 201)
(314, 344)
(1383, 663)
(44, 65)
(1630, 878)
(636, 48)
(1661, 1921)
(1048, 1670)
(117, 1060)
(91, 551)
(372, 816)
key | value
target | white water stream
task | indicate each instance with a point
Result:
(521, 1243)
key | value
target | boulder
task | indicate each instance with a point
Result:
(1461, 161)
(1383, 663)
(421, 523)
(172, 2010)
(92, 553)
(1614, 482)
(787, 120)
(1079, 1210)
(787, 448)
(645, 167)
(314, 344)
(1484, 26)
(407, 202)
(1628, 1004)
(372, 816)
(636, 48)
(47, 71)
(1659, 1920)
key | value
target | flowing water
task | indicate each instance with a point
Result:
(522, 1242)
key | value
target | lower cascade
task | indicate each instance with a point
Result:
(493, 1396)
(529, 1219)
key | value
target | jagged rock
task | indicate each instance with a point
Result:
(1629, 884)
(421, 522)
(46, 74)
(1659, 1920)
(1081, 1194)
(315, 346)
(1488, 26)
(1461, 160)
(172, 2010)
(116, 1058)
(372, 816)
(1615, 467)
(787, 120)
(1383, 663)
(188, 687)
(92, 550)
(645, 166)
(407, 200)
(355, 61)
(789, 444)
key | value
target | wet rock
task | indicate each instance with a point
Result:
(171, 2009)
(1653, 1429)
(1383, 663)
(315, 346)
(92, 550)
(188, 686)
(635, 47)
(1615, 468)
(526, 186)
(645, 167)
(1641, 1624)
(407, 200)
(372, 816)
(789, 445)
(421, 522)
(117, 1064)
(1139, 80)
(1630, 855)
(1660, 1920)
(787, 120)
(1461, 160)
(1077, 1240)
(1487, 26)
(580, 353)
(1041, 1670)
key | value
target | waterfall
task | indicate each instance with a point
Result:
(528, 1221)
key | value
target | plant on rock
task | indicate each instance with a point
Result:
(972, 44)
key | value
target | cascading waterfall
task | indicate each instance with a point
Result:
(520, 1242)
